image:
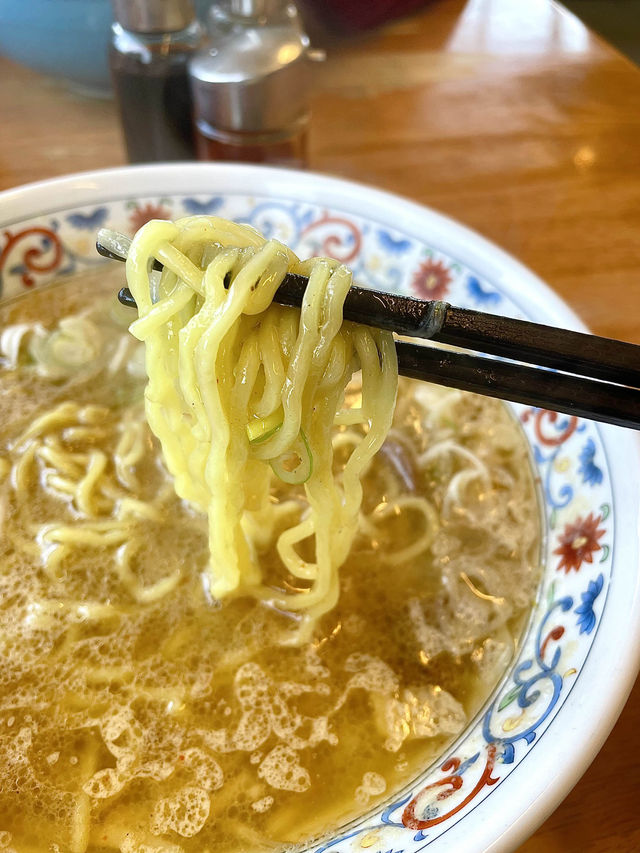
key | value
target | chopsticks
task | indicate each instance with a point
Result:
(546, 389)
(590, 376)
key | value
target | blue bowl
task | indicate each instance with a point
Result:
(65, 38)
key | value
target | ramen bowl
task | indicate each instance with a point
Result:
(561, 695)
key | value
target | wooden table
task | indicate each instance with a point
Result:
(509, 116)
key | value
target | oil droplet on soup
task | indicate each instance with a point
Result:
(137, 716)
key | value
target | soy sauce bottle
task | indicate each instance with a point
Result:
(151, 43)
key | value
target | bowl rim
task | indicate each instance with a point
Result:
(590, 714)
(245, 177)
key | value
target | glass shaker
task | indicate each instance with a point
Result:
(152, 41)
(250, 86)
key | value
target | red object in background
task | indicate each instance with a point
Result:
(348, 17)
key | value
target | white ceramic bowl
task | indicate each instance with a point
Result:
(554, 708)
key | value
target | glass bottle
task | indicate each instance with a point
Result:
(250, 85)
(152, 41)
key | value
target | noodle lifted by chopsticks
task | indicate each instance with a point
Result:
(243, 394)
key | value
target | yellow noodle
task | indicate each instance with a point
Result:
(81, 817)
(21, 469)
(67, 463)
(84, 497)
(62, 415)
(399, 506)
(128, 452)
(141, 593)
(60, 484)
(218, 359)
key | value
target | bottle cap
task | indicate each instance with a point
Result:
(154, 16)
(254, 78)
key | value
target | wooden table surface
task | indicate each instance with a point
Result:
(509, 116)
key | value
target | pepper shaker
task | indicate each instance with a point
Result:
(250, 85)
(152, 41)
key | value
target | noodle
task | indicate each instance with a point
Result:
(225, 365)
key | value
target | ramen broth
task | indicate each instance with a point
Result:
(138, 715)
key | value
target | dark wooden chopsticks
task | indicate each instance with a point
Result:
(520, 383)
(592, 377)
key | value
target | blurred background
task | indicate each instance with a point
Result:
(618, 21)
(69, 38)
(236, 79)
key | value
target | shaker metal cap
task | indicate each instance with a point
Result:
(153, 16)
(254, 78)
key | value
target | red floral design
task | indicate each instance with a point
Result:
(431, 280)
(564, 428)
(579, 542)
(343, 241)
(143, 213)
(450, 784)
(34, 258)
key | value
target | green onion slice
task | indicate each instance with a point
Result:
(296, 465)
(260, 429)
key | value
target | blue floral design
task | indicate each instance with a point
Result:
(586, 617)
(527, 677)
(393, 245)
(192, 205)
(565, 492)
(481, 295)
(591, 473)
(389, 279)
(89, 221)
(269, 217)
(306, 218)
